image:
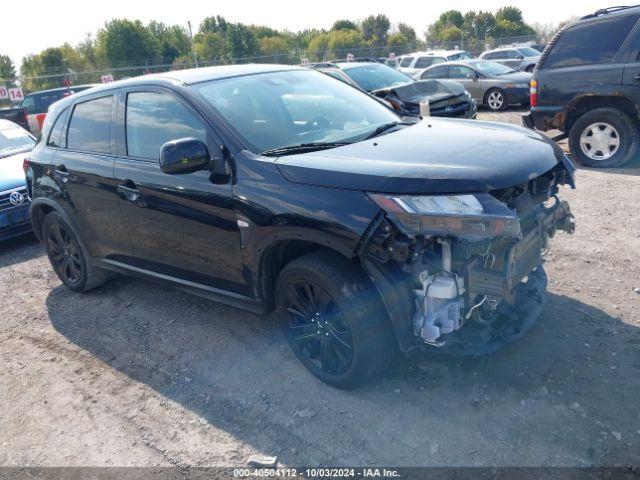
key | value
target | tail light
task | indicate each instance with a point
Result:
(25, 165)
(533, 94)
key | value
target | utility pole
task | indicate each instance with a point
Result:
(193, 47)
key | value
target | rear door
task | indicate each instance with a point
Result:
(82, 169)
(587, 58)
(183, 226)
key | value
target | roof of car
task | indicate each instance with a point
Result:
(7, 124)
(605, 12)
(434, 53)
(197, 75)
(184, 77)
(61, 89)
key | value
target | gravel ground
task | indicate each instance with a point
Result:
(133, 374)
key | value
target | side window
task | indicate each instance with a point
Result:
(436, 72)
(406, 61)
(29, 105)
(55, 136)
(424, 62)
(513, 55)
(458, 71)
(590, 43)
(89, 126)
(153, 119)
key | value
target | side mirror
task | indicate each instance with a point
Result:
(185, 155)
(472, 76)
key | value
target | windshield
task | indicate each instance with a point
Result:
(492, 69)
(459, 56)
(529, 52)
(375, 76)
(14, 140)
(273, 110)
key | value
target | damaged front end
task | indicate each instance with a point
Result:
(469, 265)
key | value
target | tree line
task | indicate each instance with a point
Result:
(126, 43)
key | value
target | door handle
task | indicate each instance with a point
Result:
(637, 77)
(60, 173)
(129, 192)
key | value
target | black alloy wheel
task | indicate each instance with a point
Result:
(67, 255)
(334, 319)
(317, 328)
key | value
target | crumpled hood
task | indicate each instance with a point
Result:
(11, 173)
(422, 90)
(437, 155)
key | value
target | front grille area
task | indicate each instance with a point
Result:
(5, 203)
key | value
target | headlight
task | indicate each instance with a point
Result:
(476, 216)
(517, 85)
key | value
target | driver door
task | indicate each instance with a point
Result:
(182, 226)
(469, 78)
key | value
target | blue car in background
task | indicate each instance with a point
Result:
(15, 141)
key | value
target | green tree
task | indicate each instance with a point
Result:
(451, 34)
(341, 42)
(318, 47)
(375, 29)
(7, 68)
(510, 14)
(210, 47)
(240, 41)
(344, 25)
(408, 32)
(215, 24)
(397, 39)
(173, 41)
(261, 31)
(273, 45)
(127, 42)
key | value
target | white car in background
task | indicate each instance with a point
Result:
(416, 62)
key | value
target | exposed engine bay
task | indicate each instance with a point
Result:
(478, 282)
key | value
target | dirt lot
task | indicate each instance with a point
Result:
(134, 374)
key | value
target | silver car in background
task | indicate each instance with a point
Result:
(491, 84)
(415, 62)
(520, 58)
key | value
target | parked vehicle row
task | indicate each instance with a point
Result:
(402, 92)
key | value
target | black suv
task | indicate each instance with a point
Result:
(273, 187)
(587, 84)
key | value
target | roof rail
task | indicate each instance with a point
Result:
(604, 11)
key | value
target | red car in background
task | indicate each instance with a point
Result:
(36, 104)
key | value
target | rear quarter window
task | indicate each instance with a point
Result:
(590, 43)
(89, 126)
(406, 61)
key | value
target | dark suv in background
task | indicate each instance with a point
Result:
(587, 84)
(270, 186)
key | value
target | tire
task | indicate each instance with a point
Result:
(68, 256)
(347, 340)
(496, 100)
(616, 127)
(530, 68)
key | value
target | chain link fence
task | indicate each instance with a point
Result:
(66, 77)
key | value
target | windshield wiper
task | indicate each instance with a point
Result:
(302, 148)
(384, 127)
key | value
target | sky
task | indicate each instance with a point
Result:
(49, 24)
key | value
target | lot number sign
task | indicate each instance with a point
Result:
(13, 94)
(106, 78)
